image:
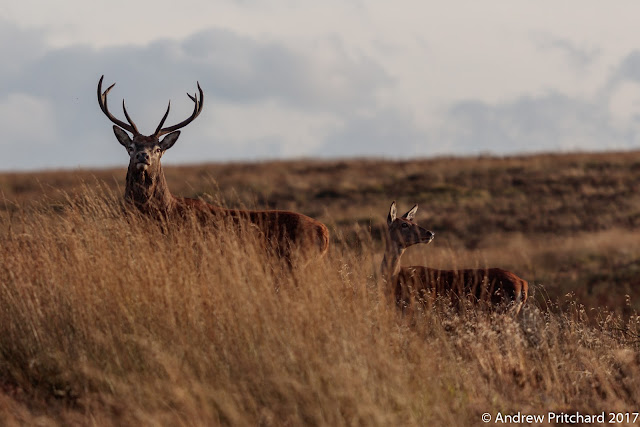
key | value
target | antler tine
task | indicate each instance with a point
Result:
(133, 125)
(159, 128)
(102, 101)
(197, 109)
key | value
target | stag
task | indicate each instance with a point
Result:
(495, 286)
(146, 187)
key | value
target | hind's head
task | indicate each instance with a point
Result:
(403, 231)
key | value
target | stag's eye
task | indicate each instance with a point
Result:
(405, 225)
(158, 150)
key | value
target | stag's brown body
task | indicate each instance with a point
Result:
(146, 188)
(286, 231)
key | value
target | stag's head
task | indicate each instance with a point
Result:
(403, 231)
(145, 151)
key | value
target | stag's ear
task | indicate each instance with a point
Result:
(392, 213)
(123, 137)
(168, 141)
(409, 215)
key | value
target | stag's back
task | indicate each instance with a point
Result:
(289, 233)
(301, 232)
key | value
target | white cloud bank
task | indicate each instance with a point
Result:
(290, 79)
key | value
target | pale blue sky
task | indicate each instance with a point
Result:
(285, 78)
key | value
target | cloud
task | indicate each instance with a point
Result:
(322, 94)
(29, 123)
(257, 131)
(577, 55)
(544, 123)
(627, 71)
(389, 133)
(528, 124)
(243, 69)
(549, 122)
(265, 77)
(17, 48)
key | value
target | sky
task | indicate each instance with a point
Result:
(318, 79)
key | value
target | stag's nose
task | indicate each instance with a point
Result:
(142, 157)
(429, 235)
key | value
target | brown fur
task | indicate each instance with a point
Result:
(491, 285)
(288, 233)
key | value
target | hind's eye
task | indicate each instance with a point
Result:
(158, 150)
(405, 225)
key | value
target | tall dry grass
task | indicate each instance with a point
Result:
(107, 318)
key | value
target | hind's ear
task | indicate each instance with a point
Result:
(412, 212)
(392, 213)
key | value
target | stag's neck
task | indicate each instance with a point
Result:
(390, 266)
(148, 190)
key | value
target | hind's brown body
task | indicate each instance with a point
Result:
(493, 285)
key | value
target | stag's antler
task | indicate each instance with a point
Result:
(197, 108)
(102, 100)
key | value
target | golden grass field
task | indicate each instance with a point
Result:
(108, 318)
